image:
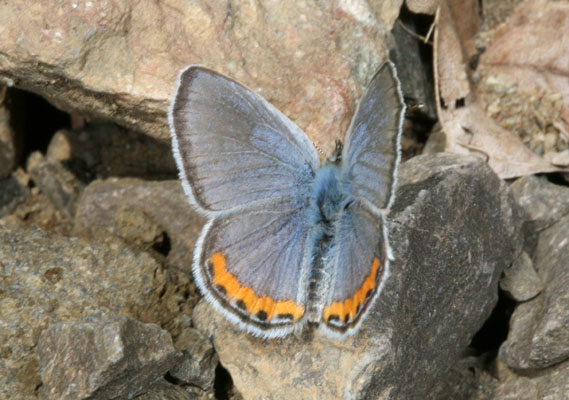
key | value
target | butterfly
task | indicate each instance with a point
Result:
(289, 241)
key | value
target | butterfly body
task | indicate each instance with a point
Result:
(289, 241)
(326, 204)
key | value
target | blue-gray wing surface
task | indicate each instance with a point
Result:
(372, 146)
(252, 266)
(360, 255)
(233, 148)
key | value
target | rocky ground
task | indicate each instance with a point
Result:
(96, 235)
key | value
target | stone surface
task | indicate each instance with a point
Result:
(56, 182)
(520, 281)
(454, 228)
(164, 390)
(119, 60)
(7, 139)
(46, 278)
(99, 150)
(115, 358)
(99, 213)
(538, 335)
(197, 367)
(543, 202)
(560, 158)
(463, 381)
(12, 194)
(137, 227)
(504, 384)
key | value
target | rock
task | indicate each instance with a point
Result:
(114, 358)
(99, 149)
(538, 336)
(550, 384)
(139, 228)
(504, 384)
(12, 194)
(197, 367)
(464, 381)
(46, 278)
(436, 141)
(520, 281)
(102, 202)
(119, 61)
(56, 182)
(164, 390)
(454, 228)
(543, 202)
(7, 139)
(559, 158)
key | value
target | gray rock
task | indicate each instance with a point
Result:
(454, 229)
(520, 281)
(436, 141)
(464, 381)
(198, 364)
(114, 358)
(56, 182)
(538, 335)
(46, 278)
(164, 390)
(101, 211)
(12, 194)
(7, 139)
(543, 202)
(504, 384)
(100, 150)
(137, 227)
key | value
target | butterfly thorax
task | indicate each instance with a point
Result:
(328, 200)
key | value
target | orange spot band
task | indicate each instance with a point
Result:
(252, 303)
(350, 306)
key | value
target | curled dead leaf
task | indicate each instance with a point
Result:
(467, 126)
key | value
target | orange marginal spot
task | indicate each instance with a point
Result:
(349, 306)
(336, 308)
(246, 295)
(288, 307)
(265, 304)
(252, 303)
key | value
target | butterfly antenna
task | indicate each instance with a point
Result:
(318, 149)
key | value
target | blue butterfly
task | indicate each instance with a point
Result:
(289, 241)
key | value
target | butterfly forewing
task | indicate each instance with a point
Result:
(371, 150)
(232, 147)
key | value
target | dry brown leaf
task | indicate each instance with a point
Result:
(468, 129)
(532, 47)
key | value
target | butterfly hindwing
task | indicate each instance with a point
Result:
(361, 263)
(371, 150)
(232, 147)
(251, 265)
